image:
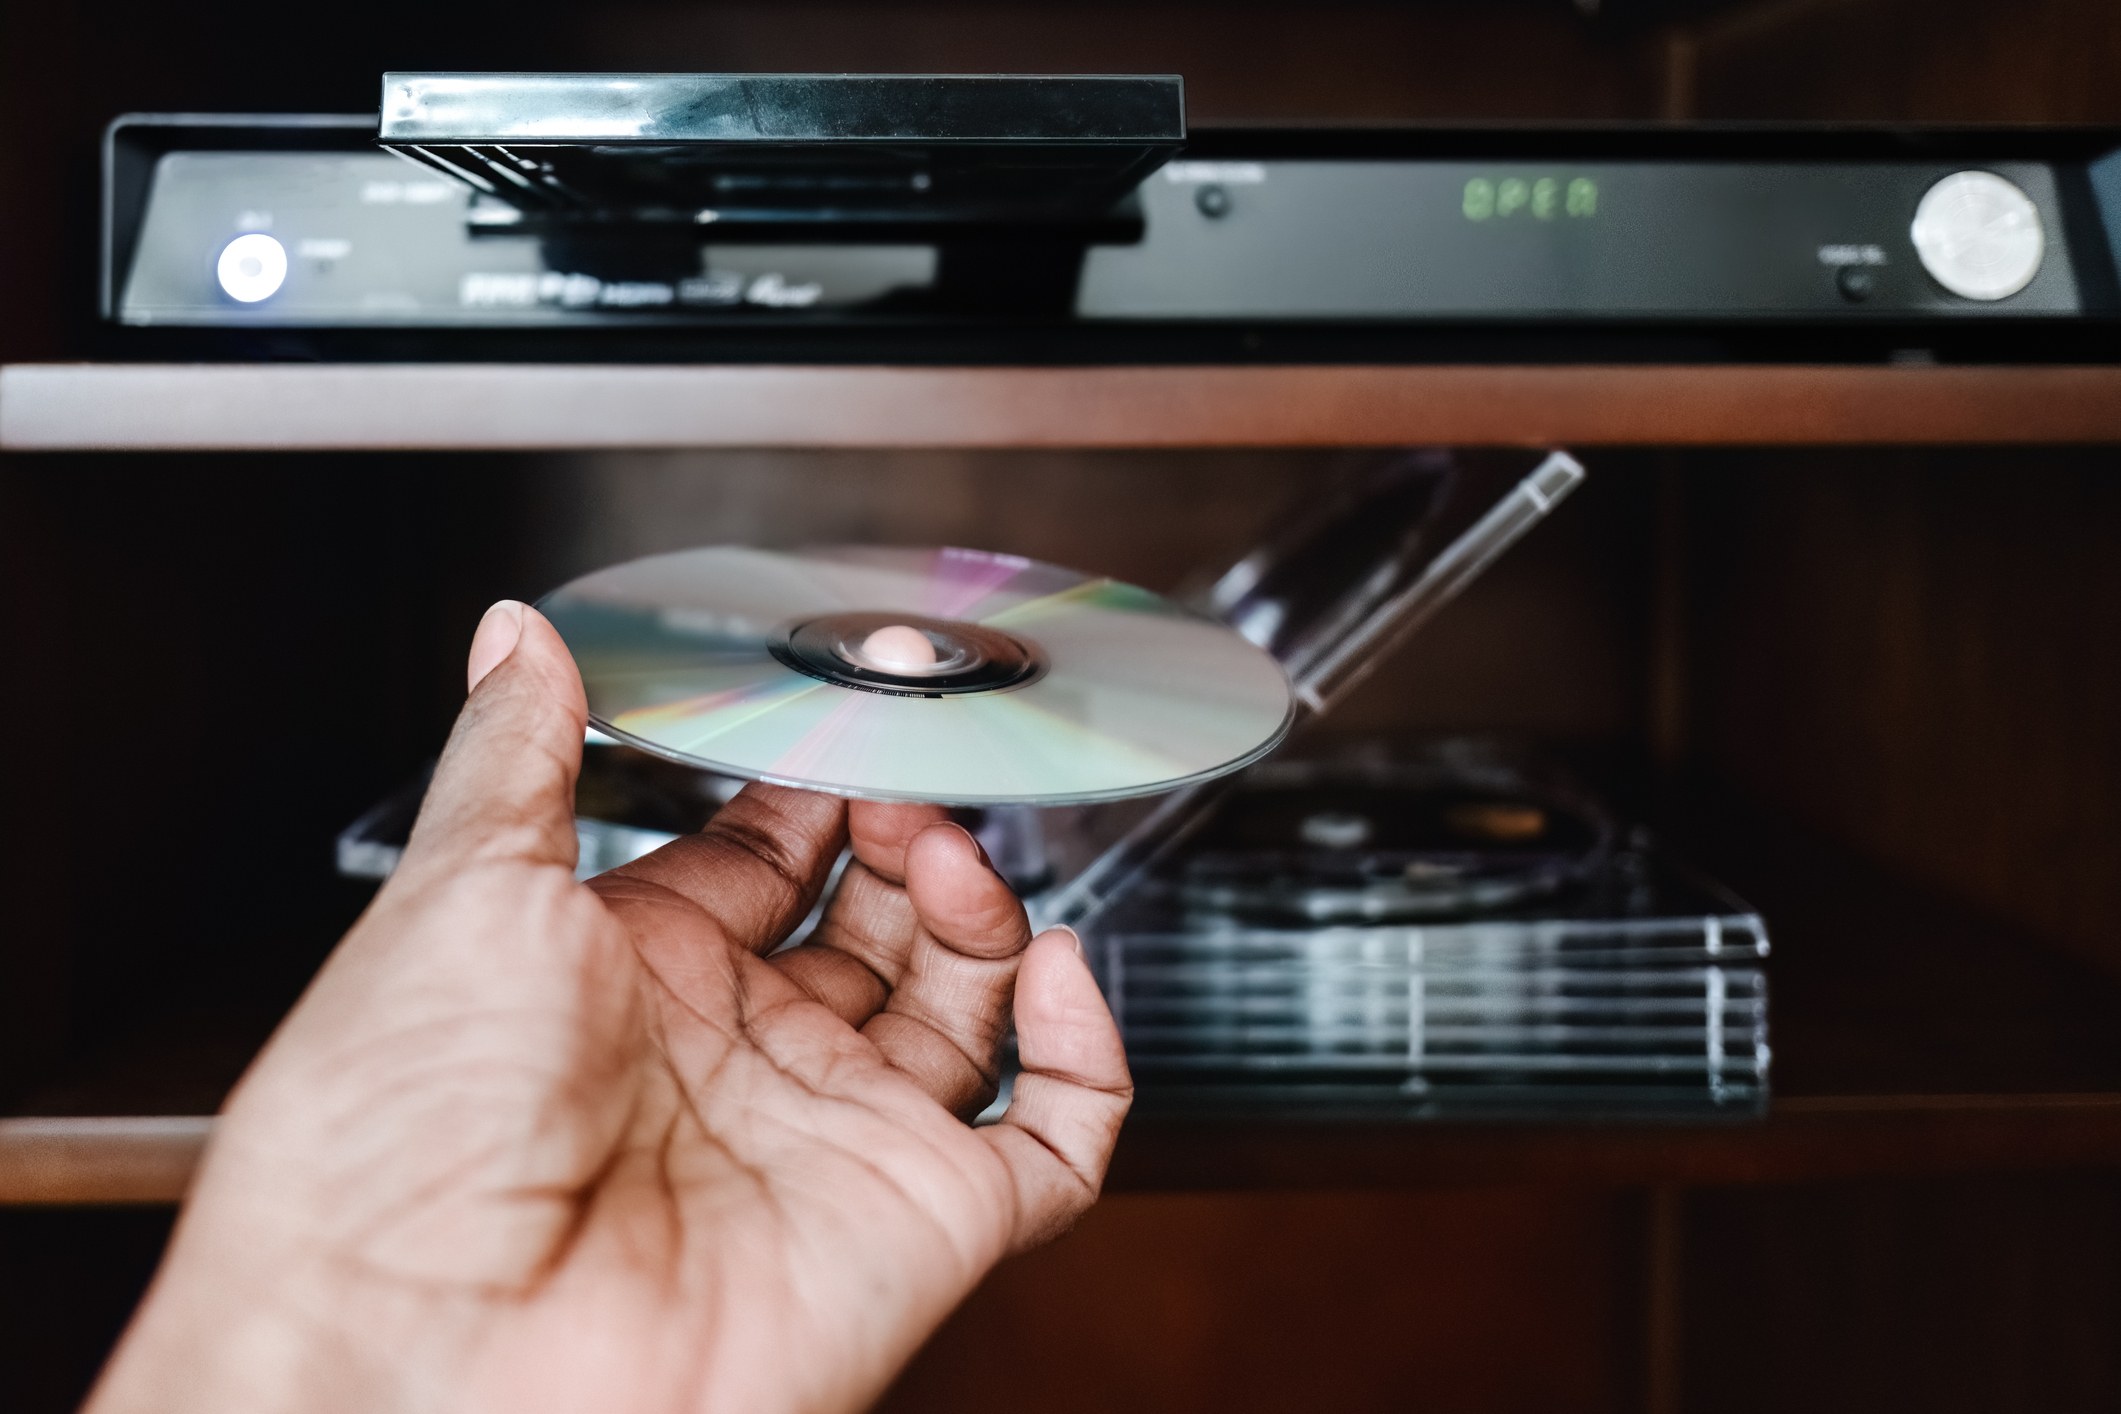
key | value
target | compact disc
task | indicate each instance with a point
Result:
(951, 676)
(1450, 834)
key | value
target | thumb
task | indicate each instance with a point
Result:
(504, 788)
(1071, 1095)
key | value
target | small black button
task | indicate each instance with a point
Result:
(1213, 201)
(1856, 283)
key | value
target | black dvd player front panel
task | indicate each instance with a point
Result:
(267, 226)
(1517, 240)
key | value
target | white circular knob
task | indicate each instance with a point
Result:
(1978, 235)
(252, 267)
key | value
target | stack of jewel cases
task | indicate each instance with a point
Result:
(1438, 934)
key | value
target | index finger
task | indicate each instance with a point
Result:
(756, 868)
(881, 829)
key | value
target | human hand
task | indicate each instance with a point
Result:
(527, 1143)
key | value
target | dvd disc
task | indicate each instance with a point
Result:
(950, 676)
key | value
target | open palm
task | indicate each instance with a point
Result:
(531, 1144)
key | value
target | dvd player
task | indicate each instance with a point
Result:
(819, 217)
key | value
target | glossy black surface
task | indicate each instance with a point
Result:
(789, 150)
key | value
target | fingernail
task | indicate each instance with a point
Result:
(499, 631)
(978, 849)
(1075, 939)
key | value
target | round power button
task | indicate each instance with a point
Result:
(252, 267)
(1978, 235)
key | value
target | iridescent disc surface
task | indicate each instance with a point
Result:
(712, 657)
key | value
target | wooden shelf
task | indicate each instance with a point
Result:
(200, 407)
(150, 1159)
(1806, 1138)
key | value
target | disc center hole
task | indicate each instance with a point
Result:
(906, 651)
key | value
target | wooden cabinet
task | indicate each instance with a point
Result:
(1846, 636)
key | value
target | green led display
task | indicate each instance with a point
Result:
(1543, 198)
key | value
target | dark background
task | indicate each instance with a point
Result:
(1878, 691)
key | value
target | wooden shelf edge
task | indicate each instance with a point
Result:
(465, 407)
(100, 1161)
(92, 1160)
(1805, 1139)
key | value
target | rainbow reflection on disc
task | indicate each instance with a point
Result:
(1049, 687)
